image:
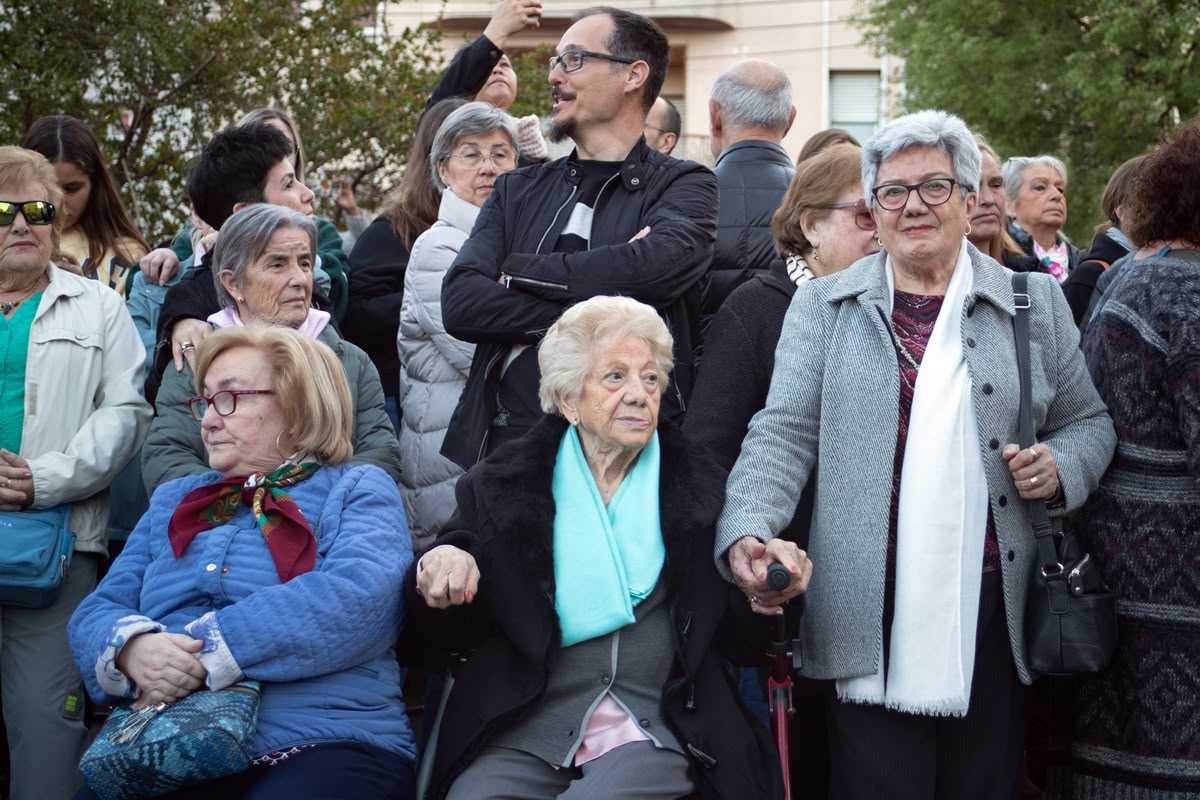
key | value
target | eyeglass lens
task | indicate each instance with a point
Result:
(36, 212)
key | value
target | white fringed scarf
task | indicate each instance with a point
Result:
(940, 532)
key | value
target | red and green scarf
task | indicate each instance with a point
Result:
(287, 533)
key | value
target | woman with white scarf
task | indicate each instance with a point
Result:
(901, 372)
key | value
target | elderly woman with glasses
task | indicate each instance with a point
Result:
(901, 373)
(473, 146)
(73, 416)
(280, 565)
(576, 581)
(262, 270)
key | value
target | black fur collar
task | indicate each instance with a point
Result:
(515, 483)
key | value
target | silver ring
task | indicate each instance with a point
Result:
(1033, 481)
(186, 347)
(752, 599)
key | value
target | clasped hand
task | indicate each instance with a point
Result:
(447, 576)
(748, 561)
(163, 665)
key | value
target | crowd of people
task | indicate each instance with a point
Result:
(540, 433)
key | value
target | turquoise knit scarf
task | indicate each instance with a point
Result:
(606, 559)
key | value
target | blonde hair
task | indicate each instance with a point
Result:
(566, 354)
(19, 167)
(309, 383)
(1002, 245)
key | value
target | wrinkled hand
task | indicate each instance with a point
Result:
(748, 561)
(186, 336)
(68, 262)
(16, 482)
(642, 234)
(511, 17)
(163, 667)
(1034, 471)
(447, 576)
(160, 265)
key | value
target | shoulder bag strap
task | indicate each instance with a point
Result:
(1043, 533)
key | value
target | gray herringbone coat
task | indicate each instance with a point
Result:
(835, 391)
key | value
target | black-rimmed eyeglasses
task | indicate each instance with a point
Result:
(572, 60)
(862, 214)
(223, 402)
(37, 212)
(933, 192)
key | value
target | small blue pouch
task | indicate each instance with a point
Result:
(35, 553)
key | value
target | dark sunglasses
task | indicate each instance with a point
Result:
(37, 212)
(862, 215)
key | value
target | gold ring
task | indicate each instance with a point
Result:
(1033, 481)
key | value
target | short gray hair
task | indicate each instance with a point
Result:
(473, 119)
(928, 128)
(567, 353)
(245, 237)
(1014, 172)
(747, 103)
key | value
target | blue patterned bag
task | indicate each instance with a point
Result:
(163, 748)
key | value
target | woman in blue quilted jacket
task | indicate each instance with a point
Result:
(282, 565)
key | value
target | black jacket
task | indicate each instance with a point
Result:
(1080, 285)
(515, 236)
(377, 266)
(505, 520)
(734, 378)
(753, 176)
(468, 71)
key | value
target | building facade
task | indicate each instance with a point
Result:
(836, 80)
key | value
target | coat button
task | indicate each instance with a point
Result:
(1003, 501)
(211, 568)
(645, 723)
(987, 388)
(1012, 555)
(970, 311)
(635, 181)
(224, 570)
(970, 342)
(605, 679)
(994, 444)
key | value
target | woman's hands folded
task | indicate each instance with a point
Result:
(163, 667)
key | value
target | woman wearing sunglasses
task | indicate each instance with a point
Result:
(901, 373)
(263, 272)
(71, 416)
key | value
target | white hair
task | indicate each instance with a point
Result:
(747, 102)
(928, 128)
(1014, 172)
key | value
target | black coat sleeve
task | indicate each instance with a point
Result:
(468, 72)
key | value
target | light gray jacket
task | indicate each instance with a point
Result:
(433, 371)
(85, 416)
(835, 390)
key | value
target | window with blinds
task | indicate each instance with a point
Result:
(854, 102)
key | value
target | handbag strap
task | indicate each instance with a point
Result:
(1043, 533)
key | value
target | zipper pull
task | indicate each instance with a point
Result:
(134, 724)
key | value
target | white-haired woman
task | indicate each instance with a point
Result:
(1036, 189)
(577, 576)
(920, 534)
(263, 273)
(474, 145)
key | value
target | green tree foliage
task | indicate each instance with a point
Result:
(155, 78)
(1093, 81)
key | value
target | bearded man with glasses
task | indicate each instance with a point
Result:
(613, 217)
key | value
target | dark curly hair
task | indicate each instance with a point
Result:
(1164, 202)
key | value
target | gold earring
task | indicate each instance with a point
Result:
(879, 240)
(968, 227)
(816, 254)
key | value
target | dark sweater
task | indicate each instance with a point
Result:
(378, 263)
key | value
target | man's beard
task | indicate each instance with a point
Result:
(563, 130)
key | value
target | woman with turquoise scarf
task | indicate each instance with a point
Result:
(572, 583)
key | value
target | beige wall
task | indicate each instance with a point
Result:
(807, 38)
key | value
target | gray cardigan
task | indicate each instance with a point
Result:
(835, 389)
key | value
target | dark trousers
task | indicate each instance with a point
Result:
(877, 754)
(325, 772)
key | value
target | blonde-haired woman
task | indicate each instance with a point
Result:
(202, 597)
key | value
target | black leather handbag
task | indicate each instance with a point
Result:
(1070, 616)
